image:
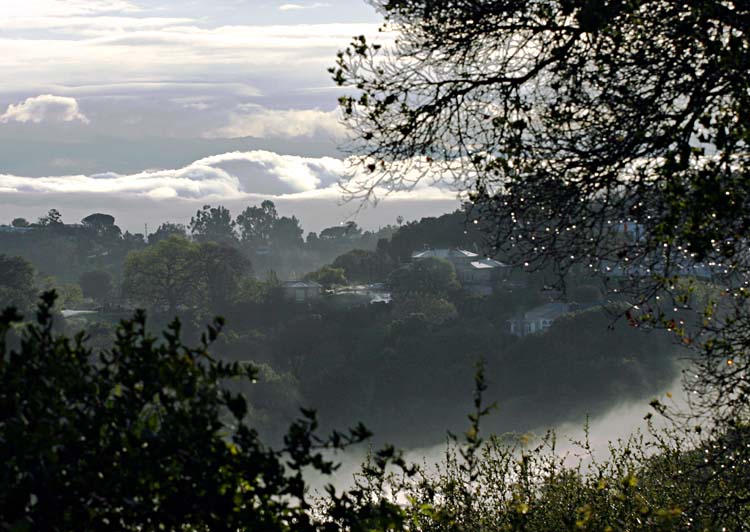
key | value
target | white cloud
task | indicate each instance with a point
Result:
(88, 25)
(307, 187)
(234, 175)
(65, 8)
(99, 52)
(297, 7)
(258, 122)
(44, 108)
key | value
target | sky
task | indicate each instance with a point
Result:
(149, 109)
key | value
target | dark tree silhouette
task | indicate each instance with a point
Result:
(611, 137)
(142, 437)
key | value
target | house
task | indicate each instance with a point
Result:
(680, 266)
(16, 230)
(539, 318)
(476, 274)
(302, 291)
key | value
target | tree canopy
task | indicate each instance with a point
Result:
(141, 437)
(608, 136)
(213, 224)
(176, 272)
(17, 286)
(97, 285)
(425, 276)
(256, 223)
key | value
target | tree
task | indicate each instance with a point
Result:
(255, 223)
(364, 266)
(425, 306)
(165, 276)
(103, 225)
(99, 219)
(53, 218)
(337, 232)
(68, 295)
(143, 437)
(286, 233)
(166, 230)
(221, 268)
(17, 285)
(213, 224)
(426, 276)
(97, 285)
(589, 135)
(328, 276)
(20, 222)
(178, 273)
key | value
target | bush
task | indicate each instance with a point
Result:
(140, 437)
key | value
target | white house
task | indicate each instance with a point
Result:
(302, 291)
(538, 319)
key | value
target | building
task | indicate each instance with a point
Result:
(302, 291)
(14, 230)
(538, 319)
(476, 274)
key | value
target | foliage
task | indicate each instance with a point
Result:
(17, 285)
(97, 285)
(595, 136)
(430, 307)
(53, 218)
(576, 113)
(365, 266)
(220, 267)
(20, 222)
(347, 230)
(450, 230)
(103, 225)
(428, 276)
(166, 230)
(328, 276)
(68, 295)
(141, 437)
(252, 290)
(99, 220)
(178, 273)
(286, 232)
(67, 251)
(164, 276)
(213, 224)
(511, 485)
(255, 223)
(521, 483)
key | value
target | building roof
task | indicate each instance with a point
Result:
(11, 229)
(548, 311)
(444, 253)
(301, 284)
(487, 264)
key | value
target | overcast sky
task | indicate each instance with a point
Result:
(147, 109)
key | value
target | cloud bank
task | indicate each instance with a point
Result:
(297, 7)
(308, 185)
(256, 121)
(224, 176)
(44, 108)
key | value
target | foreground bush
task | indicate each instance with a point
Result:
(667, 481)
(144, 437)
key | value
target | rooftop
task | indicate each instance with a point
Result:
(548, 311)
(488, 264)
(445, 253)
(301, 284)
